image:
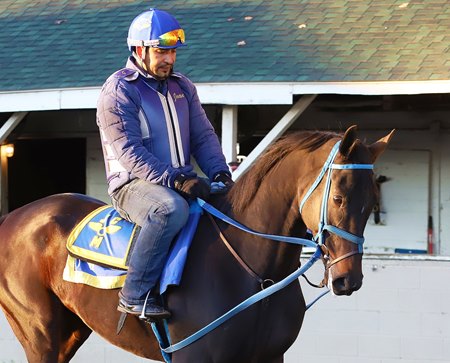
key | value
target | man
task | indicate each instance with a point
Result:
(151, 122)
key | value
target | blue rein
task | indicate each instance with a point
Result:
(323, 226)
(252, 299)
(217, 213)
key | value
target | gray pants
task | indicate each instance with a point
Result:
(161, 213)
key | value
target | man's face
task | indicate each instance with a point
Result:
(159, 62)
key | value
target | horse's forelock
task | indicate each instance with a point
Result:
(245, 188)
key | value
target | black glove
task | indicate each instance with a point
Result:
(192, 187)
(225, 178)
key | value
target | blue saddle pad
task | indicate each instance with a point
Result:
(100, 246)
(103, 237)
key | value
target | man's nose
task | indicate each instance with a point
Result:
(170, 58)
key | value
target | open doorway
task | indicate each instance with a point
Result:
(41, 167)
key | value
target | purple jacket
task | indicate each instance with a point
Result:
(150, 134)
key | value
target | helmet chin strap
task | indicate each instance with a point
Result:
(141, 57)
(140, 61)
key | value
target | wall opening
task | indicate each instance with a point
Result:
(42, 167)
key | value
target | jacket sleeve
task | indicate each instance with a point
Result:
(118, 117)
(205, 145)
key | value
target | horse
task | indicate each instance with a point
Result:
(52, 318)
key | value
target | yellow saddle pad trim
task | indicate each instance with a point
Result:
(73, 272)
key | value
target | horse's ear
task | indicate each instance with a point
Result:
(378, 147)
(347, 141)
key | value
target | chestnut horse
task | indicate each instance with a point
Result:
(52, 318)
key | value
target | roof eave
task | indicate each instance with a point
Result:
(236, 93)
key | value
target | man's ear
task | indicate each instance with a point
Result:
(140, 52)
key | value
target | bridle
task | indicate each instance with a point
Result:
(323, 226)
(271, 287)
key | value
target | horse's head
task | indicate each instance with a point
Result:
(340, 205)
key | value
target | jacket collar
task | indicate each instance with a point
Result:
(132, 64)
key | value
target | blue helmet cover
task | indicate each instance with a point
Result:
(148, 26)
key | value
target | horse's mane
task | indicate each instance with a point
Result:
(245, 189)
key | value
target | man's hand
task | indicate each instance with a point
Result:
(224, 178)
(192, 187)
(221, 183)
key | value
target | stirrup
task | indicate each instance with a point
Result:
(143, 316)
(150, 319)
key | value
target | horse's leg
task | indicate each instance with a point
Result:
(47, 331)
(74, 333)
(35, 334)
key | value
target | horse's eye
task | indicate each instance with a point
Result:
(337, 199)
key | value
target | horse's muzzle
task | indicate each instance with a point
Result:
(346, 285)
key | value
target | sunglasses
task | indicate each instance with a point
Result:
(171, 38)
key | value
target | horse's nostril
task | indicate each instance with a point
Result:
(345, 286)
(339, 286)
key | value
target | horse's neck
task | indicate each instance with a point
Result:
(274, 210)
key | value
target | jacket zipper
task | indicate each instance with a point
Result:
(172, 124)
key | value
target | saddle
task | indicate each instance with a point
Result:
(100, 247)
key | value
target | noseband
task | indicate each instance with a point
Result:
(327, 169)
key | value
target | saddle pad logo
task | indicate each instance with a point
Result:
(104, 237)
(102, 230)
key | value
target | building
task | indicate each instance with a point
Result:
(262, 68)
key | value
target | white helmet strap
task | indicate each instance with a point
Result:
(141, 58)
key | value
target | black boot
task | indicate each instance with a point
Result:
(153, 310)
